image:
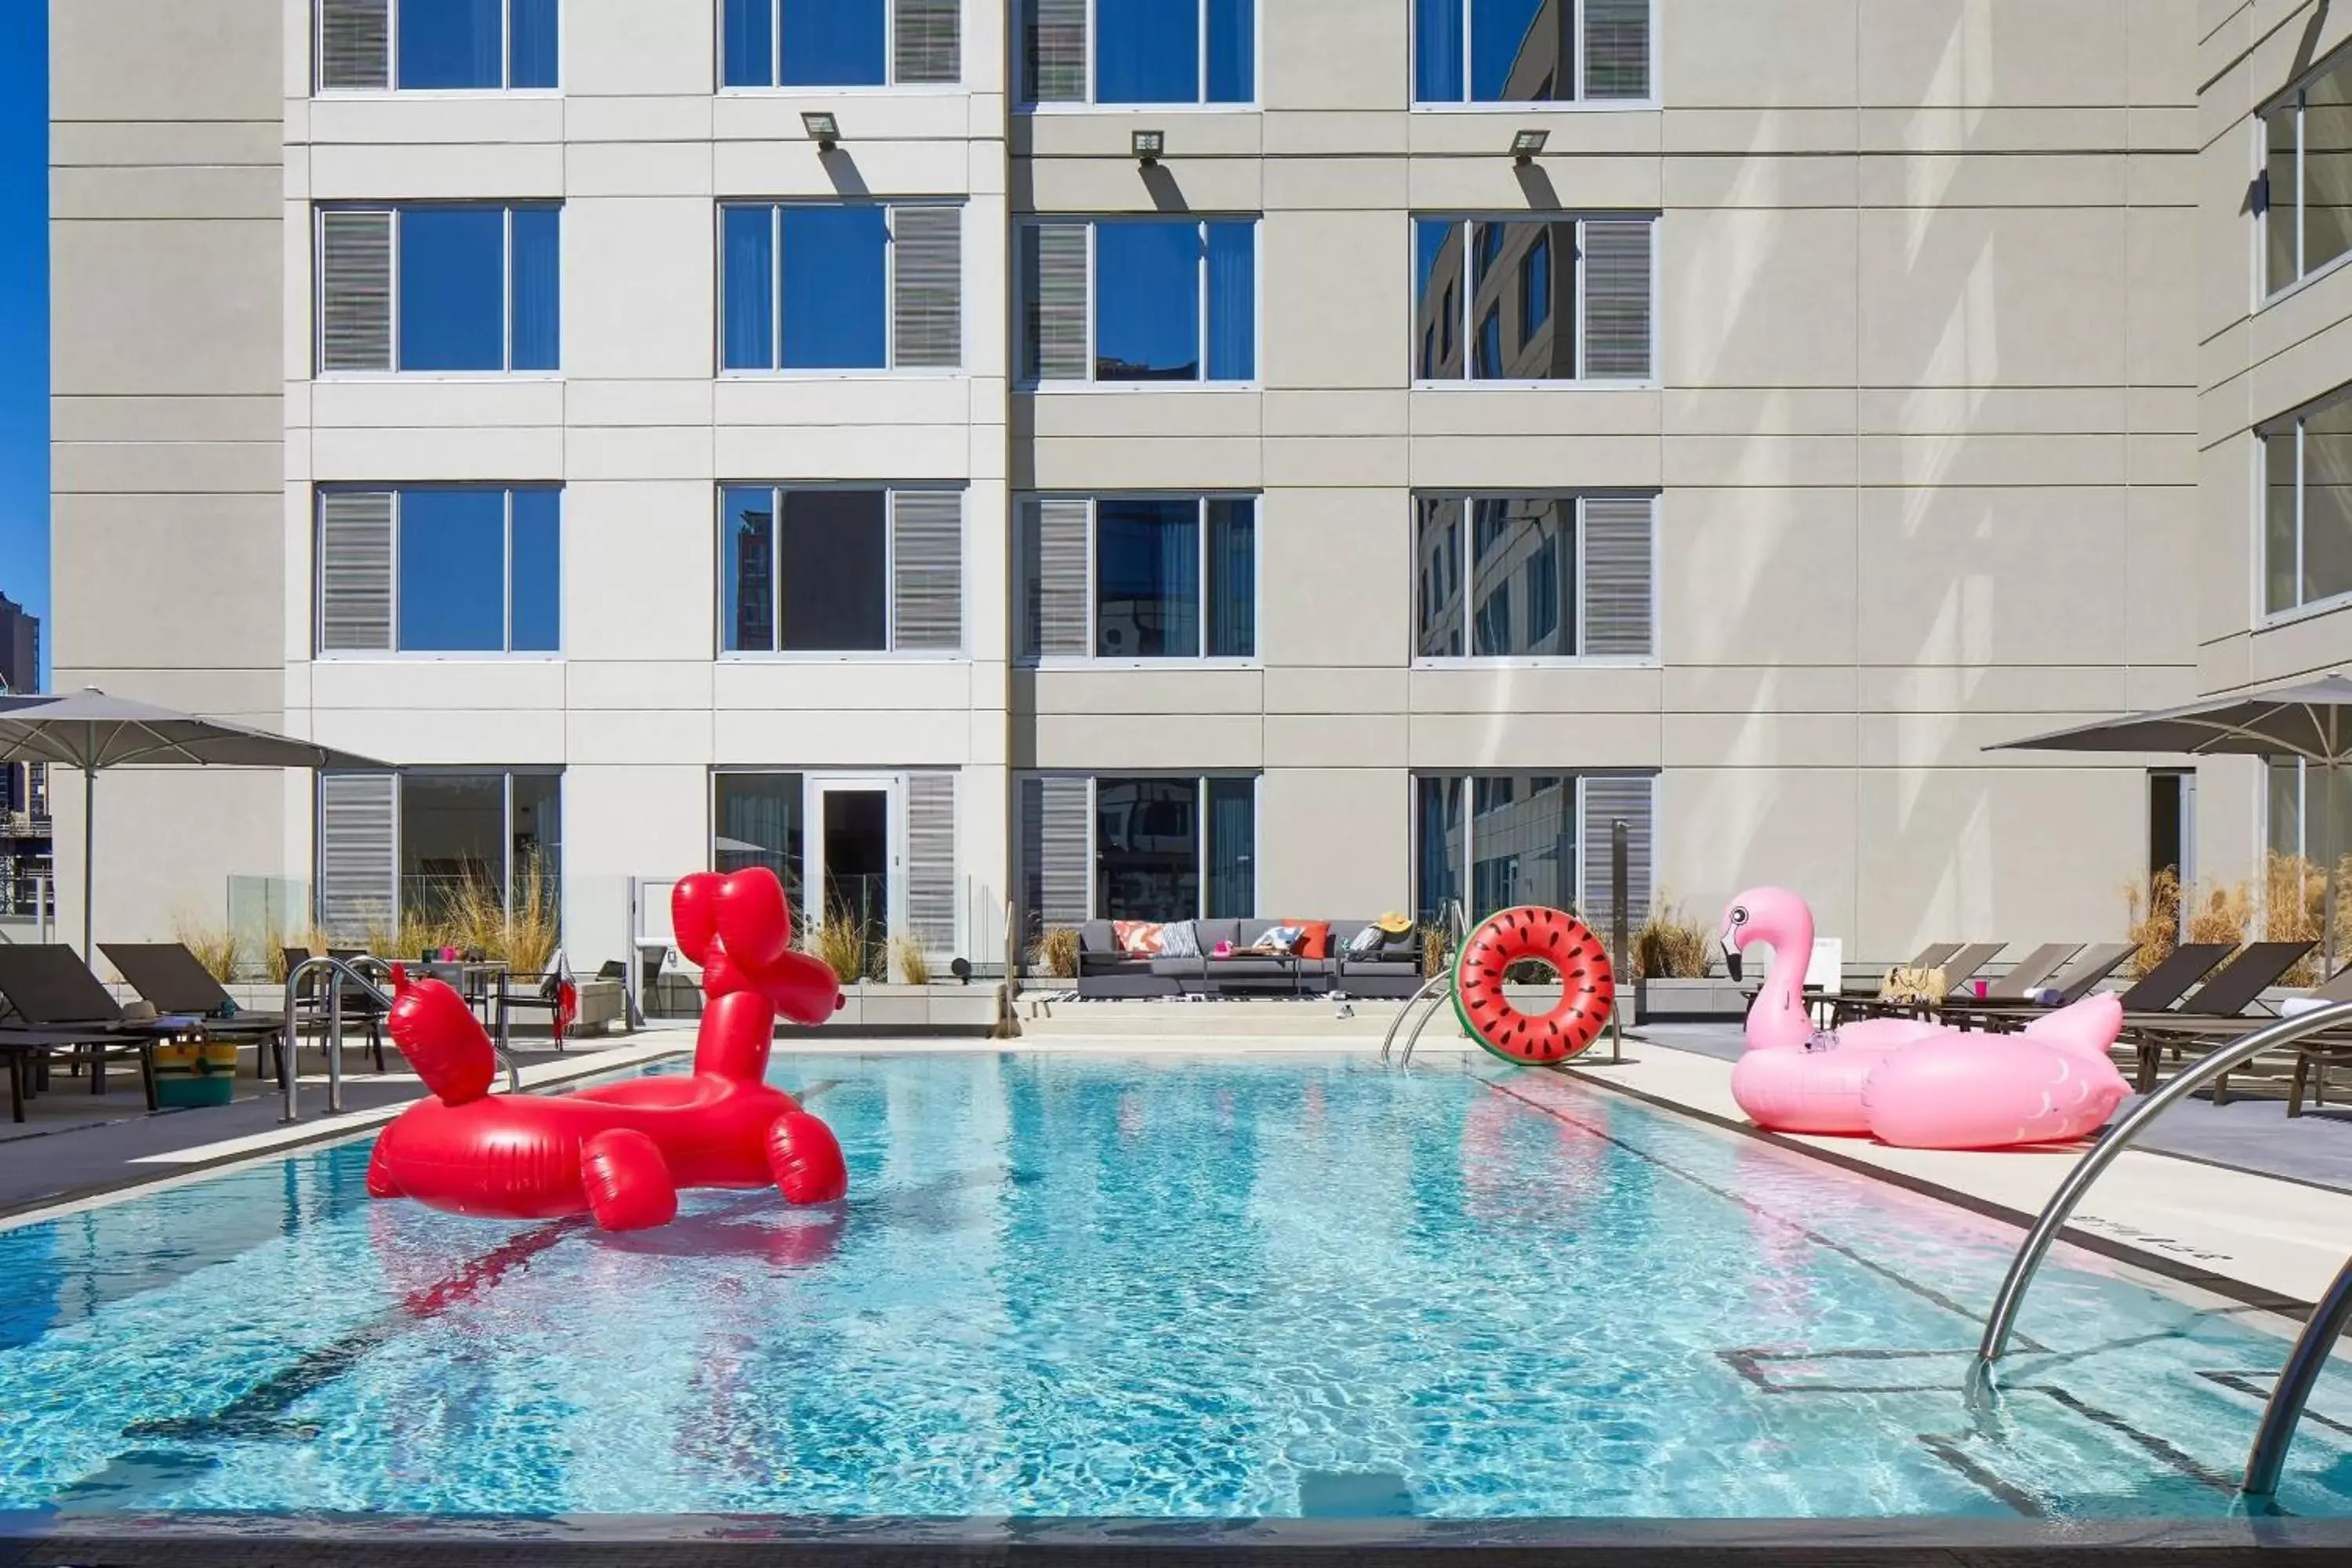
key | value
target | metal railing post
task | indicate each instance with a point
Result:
(337, 971)
(2328, 1320)
(2117, 1138)
(1619, 854)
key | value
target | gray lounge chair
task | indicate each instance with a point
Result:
(54, 993)
(2217, 1011)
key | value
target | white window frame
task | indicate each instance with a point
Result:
(2293, 99)
(1467, 566)
(777, 370)
(1579, 104)
(506, 773)
(1093, 661)
(1090, 384)
(890, 85)
(893, 654)
(318, 88)
(1466, 322)
(2264, 616)
(1025, 103)
(1200, 781)
(395, 291)
(1572, 779)
(509, 654)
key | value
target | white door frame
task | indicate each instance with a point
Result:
(814, 787)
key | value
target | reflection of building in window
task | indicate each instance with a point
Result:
(1532, 287)
(1531, 51)
(1535, 576)
(1495, 840)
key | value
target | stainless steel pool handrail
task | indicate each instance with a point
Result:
(331, 1041)
(1428, 985)
(2118, 1138)
(2284, 1411)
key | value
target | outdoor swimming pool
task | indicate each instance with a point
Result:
(1083, 1286)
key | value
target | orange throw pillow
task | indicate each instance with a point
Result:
(1316, 942)
(1140, 939)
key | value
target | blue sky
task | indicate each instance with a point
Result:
(25, 309)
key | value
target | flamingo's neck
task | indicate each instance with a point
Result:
(1778, 1019)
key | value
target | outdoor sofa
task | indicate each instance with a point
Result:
(1391, 970)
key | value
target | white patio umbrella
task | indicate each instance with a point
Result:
(2307, 719)
(90, 730)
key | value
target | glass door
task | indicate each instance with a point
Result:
(855, 859)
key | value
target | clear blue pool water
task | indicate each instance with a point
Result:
(1078, 1286)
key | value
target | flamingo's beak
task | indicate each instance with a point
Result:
(1731, 958)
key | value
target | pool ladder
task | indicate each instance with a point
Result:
(340, 973)
(1435, 992)
(2329, 1317)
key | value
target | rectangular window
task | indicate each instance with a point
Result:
(839, 43)
(840, 287)
(1531, 51)
(1136, 577)
(1142, 300)
(834, 570)
(440, 569)
(446, 287)
(1138, 51)
(1491, 841)
(1151, 847)
(1546, 576)
(2307, 505)
(2307, 176)
(436, 45)
(1560, 300)
(2296, 791)
(423, 844)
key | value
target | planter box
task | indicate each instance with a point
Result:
(1714, 999)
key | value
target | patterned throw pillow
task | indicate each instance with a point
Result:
(1365, 940)
(1140, 939)
(1281, 939)
(1179, 940)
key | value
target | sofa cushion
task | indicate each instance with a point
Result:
(1315, 937)
(1112, 964)
(1177, 968)
(1251, 930)
(1140, 939)
(1178, 941)
(1097, 936)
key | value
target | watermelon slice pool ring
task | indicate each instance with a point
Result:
(1588, 986)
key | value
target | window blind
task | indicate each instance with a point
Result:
(927, 575)
(354, 43)
(1606, 799)
(354, 571)
(1620, 533)
(927, 308)
(354, 290)
(926, 47)
(1057, 850)
(1056, 51)
(1616, 48)
(358, 871)
(1617, 299)
(932, 860)
(1053, 576)
(1055, 296)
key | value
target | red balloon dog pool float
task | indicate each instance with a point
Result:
(621, 1153)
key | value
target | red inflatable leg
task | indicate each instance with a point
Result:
(627, 1181)
(805, 1159)
(380, 1184)
(442, 1039)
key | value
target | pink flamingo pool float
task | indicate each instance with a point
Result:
(1906, 1081)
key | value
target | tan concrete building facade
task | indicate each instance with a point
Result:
(1875, 445)
(2275, 333)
